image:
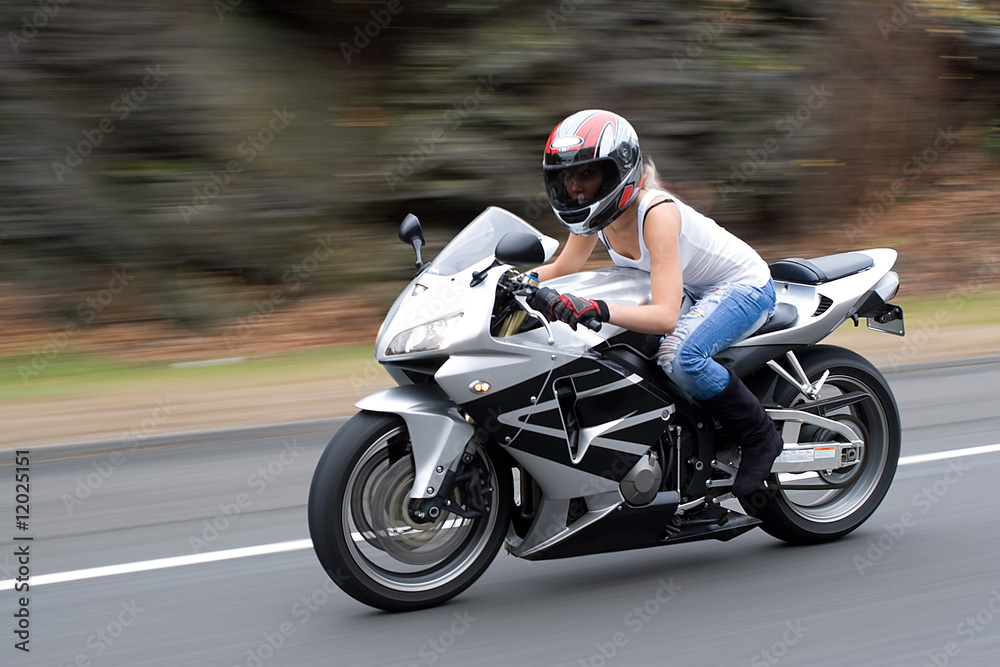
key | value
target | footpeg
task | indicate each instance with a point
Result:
(718, 500)
(729, 471)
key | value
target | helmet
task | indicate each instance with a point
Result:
(607, 142)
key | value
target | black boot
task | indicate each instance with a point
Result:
(745, 419)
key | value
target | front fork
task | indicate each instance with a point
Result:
(471, 482)
(439, 435)
(442, 441)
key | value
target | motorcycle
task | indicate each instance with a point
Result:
(506, 429)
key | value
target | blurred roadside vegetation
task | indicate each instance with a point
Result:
(187, 163)
(351, 366)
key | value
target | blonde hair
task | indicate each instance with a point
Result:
(650, 177)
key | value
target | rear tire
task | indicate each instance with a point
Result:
(813, 517)
(362, 532)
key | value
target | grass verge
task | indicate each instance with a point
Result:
(73, 373)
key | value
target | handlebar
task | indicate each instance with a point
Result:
(528, 291)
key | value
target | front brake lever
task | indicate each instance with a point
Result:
(522, 298)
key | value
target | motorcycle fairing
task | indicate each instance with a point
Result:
(825, 306)
(438, 433)
(617, 419)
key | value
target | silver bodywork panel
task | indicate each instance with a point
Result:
(549, 527)
(438, 433)
(845, 296)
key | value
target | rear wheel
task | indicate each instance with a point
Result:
(365, 537)
(809, 508)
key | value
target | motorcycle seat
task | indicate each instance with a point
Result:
(820, 269)
(647, 345)
(784, 316)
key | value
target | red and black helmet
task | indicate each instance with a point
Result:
(608, 142)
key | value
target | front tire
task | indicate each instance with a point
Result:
(843, 498)
(364, 536)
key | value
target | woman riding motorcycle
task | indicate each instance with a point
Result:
(600, 188)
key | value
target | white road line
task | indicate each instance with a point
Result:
(298, 545)
(159, 563)
(950, 454)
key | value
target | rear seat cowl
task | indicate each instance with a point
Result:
(821, 269)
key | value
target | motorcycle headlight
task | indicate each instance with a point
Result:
(436, 335)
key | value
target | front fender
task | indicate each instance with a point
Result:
(438, 433)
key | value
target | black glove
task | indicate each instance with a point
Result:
(570, 309)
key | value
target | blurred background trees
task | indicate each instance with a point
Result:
(233, 156)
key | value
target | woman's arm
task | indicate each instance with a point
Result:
(571, 259)
(662, 230)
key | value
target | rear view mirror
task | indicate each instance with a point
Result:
(410, 229)
(519, 249)
(411, 233)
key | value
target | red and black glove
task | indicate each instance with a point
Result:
(571, 309)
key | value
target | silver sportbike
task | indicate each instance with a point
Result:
(506, 429)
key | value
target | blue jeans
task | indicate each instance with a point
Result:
(723, 316)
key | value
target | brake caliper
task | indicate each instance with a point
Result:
(471, 484)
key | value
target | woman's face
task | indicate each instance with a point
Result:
(582, 182)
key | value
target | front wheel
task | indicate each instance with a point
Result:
(819, 507)
(365, 537)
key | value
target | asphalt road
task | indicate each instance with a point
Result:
(918, 584)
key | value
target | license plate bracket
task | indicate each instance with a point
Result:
(889, 320)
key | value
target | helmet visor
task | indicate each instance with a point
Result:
(577, 186)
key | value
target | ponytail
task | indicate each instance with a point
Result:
(650, 177)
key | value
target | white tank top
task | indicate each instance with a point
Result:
(710, 255)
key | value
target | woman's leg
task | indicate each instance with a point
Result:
(720, 318)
